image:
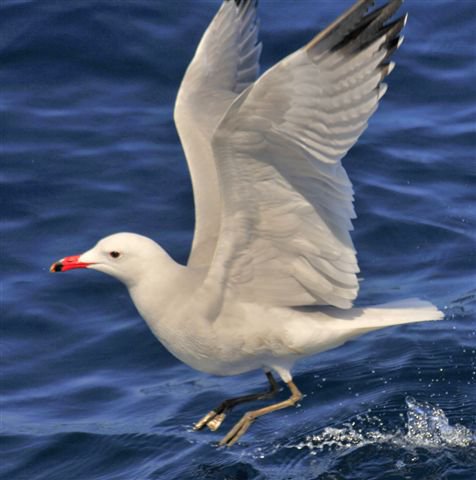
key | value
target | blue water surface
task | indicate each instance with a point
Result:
(89, 148)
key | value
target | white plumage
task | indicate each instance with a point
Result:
(272, 273)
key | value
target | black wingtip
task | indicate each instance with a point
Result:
(340, 28)
(239, 3)
(356, 29)
(242, 4)
(378, 28)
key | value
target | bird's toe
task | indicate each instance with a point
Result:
(203, 422)
(214, 423)
(237, 431)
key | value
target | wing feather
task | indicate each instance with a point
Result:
(287, 201)
(226, 63)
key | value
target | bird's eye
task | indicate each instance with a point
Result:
(114, 254)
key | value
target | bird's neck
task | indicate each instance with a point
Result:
(165, 284)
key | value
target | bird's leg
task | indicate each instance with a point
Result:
(215, 418)
(249, 417)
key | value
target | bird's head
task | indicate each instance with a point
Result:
(125, 256)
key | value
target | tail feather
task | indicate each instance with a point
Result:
(332, 327)
(395, 313)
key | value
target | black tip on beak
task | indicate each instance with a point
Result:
(56, 267)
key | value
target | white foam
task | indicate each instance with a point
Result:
(426, 426)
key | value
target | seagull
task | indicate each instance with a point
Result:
(272, 273)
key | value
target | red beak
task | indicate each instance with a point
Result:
(68, 263)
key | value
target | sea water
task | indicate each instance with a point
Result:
(89, 148)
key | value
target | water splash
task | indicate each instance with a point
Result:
(426, 426)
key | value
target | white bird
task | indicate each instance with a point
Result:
(272, 273)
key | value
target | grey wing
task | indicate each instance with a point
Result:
(287, 200)
(225, 63)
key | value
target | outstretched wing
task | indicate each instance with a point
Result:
(287, 200)
(225, 63)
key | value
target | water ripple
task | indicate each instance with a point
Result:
(89, 148)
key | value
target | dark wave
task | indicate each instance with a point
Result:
(89, 148)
